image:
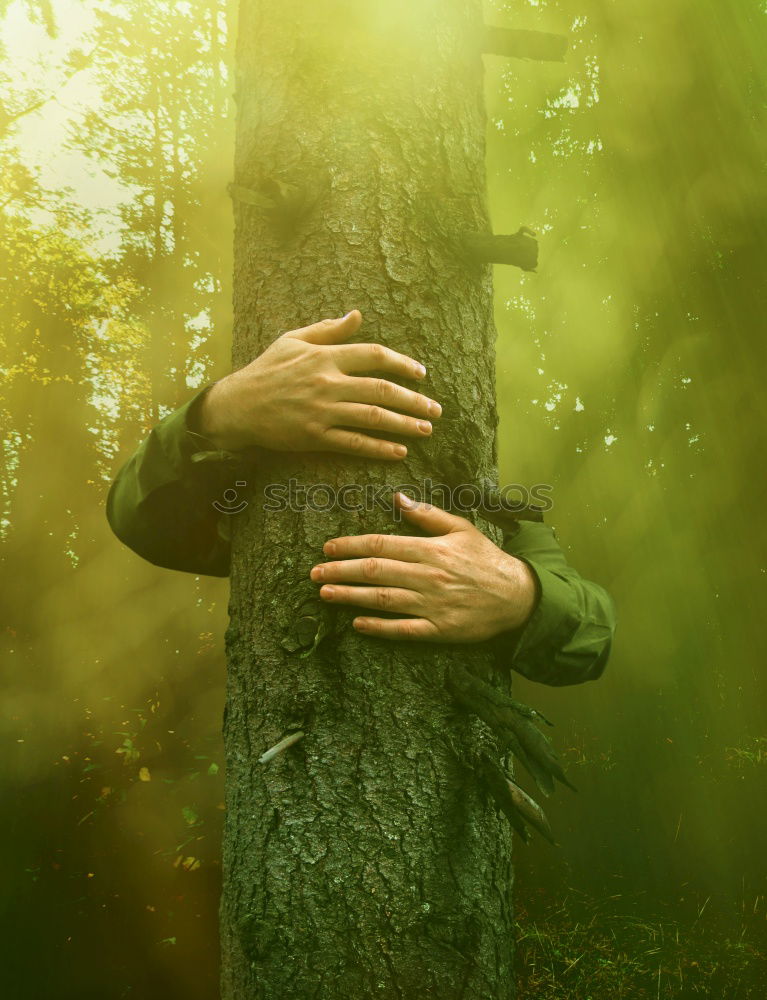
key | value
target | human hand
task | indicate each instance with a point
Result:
(306, 390)
(458, 585)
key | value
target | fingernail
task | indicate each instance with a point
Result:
(327, 592)
(317, 573)
(435, 410)
(329, 548)
(360, 624)
(424, 426)
(400, 450)
(420, 371)
(405, 501)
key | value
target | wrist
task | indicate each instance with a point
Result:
(206, 418)
(521, 595)
(529, 591)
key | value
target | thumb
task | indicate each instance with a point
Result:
(433, 520)
(329, 331)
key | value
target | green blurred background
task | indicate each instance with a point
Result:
(630, 376)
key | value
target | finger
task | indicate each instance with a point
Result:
(382, 598)
(361, 445)
(401, 547)
(329, 331)
(355, 358)
(379, 391)
(429, 518)
(364, 415)
(415, 629)
(386, 572)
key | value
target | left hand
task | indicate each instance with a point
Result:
(457, 584)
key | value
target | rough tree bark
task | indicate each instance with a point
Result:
(366, 860)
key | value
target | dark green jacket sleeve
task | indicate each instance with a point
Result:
(568, 637)
(161, 503)
(166, 503)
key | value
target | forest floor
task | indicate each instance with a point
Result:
(577, 948)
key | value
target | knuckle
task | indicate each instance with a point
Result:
(377, 543)
(377, 353)
(439, 549)
(382, 598)
(370, 568)
(376, 416)
(440, 578)
(356, 441)
(381, 389)
(451, 625)
(314, 429)
(322, 380)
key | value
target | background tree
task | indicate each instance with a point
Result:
(160, 128)
(76, 388)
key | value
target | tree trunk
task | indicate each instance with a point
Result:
(365, 860)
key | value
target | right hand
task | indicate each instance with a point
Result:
(306, 391)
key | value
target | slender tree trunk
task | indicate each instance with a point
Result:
(363, 861)
(158, 336)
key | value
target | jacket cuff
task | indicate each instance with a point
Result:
(554, 621)
(171, 454)
(183, 447)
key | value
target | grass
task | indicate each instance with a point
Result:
(580, 949)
